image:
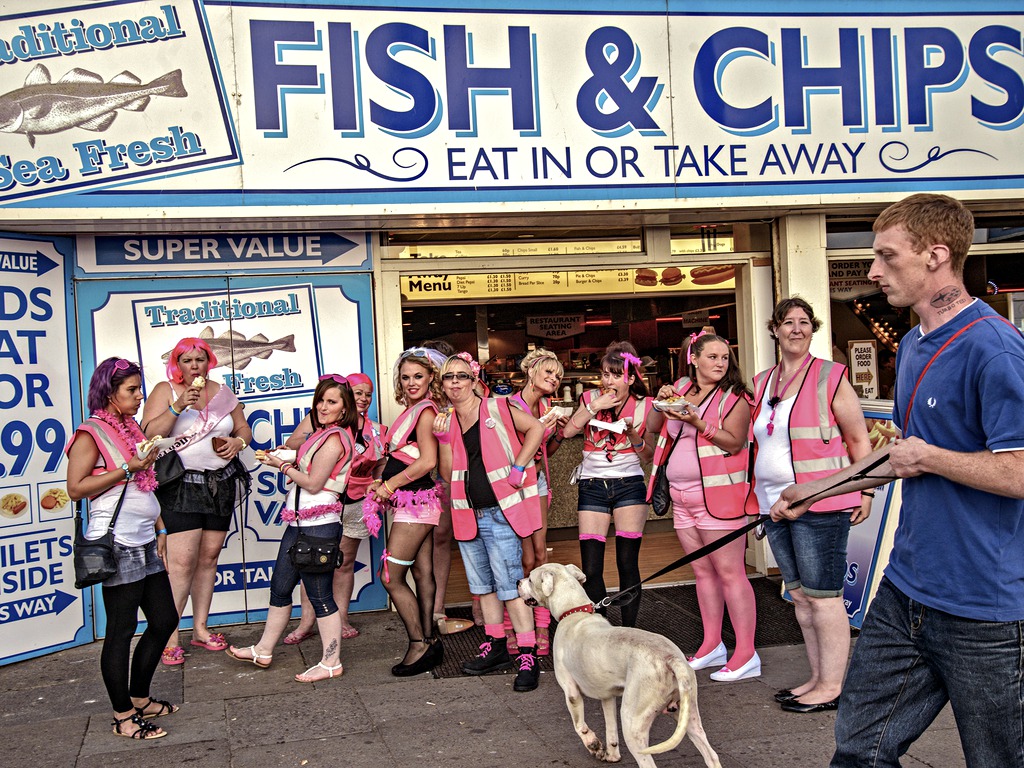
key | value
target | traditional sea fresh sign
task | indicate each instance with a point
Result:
(365, 104)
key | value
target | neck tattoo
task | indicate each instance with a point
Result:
(947, 299)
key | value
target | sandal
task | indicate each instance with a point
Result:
(145, 731)
(297, 636)
(173, 655)
(254, 658)
(543, 642)
(321, 665)
(348, 633)
(166, 708)
(215, 642)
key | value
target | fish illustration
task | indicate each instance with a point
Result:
(80, 99)
(232, 345)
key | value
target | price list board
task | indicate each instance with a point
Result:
(578, 282)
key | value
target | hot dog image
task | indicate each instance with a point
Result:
(711, 275)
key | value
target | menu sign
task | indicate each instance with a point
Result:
(580, 282)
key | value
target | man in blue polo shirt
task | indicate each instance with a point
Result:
(947, 622)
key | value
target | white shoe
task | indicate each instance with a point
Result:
(713, 659)
(751, 669)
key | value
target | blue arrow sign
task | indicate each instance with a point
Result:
(196, 250)
(36, 263)
(33, 607)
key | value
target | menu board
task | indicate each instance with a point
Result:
(579, 282)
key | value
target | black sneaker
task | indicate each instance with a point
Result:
(527, 679)
(493, 657)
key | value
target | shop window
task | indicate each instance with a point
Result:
(468, 243)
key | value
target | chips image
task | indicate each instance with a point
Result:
(13, 505)
(54, 499)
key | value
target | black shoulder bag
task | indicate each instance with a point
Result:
(314, 554)
(94, 558)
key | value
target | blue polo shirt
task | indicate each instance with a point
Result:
(958, 549)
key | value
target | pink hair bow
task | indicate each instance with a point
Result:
(689, 349)
(474, 366)
(630, 359)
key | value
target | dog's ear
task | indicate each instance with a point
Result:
(576, 573)
(547, 583)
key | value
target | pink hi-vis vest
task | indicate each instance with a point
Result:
(723, 475)
(816, 442)
(612, 442)
(108, 443)
(361, 474)
(402, 435)
(499, 444)
(338, 478)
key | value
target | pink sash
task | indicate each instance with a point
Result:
(220, 405)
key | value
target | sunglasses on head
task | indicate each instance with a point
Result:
(122, 365)
(334, 377)
(460, 376)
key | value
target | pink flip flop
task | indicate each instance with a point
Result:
(347, 633)
(296, 637)
(172, 656)
(216, 642)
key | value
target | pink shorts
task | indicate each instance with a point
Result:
(688, 511)
(423, 507)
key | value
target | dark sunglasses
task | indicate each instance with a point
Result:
(460, 376)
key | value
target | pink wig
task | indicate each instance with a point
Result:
(183, 346)
(355, 379)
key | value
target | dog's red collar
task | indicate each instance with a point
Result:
(588, 608)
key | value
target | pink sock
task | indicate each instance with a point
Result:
(507, 626)
(526, 639)
(541, 617)
(494, 630)
(592, 537)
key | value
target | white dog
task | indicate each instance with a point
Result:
(594, 659)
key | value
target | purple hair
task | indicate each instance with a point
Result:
(106, 380)
(183, 346)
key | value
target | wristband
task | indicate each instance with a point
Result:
(638, 446)
(283, 469)
(590, 410)
(244, 444)
(407, 477)
(388, 488)
(171, 409)
(521, 469)
(557, 437)
(162, 532)
(869, 494)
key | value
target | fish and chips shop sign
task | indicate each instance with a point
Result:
(362, 103)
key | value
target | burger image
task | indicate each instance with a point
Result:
(671, 276)
(711, 275)
(646, 277)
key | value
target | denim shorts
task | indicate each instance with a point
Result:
(319, 586)
(811, 551)
(596, 495)
(134, 563)
(494, 559)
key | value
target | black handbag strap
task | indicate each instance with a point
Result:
(117, 509)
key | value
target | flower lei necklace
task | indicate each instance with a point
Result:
(130, 433)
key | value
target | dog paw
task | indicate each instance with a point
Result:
(596, 748)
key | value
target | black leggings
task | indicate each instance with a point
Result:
(153, 595)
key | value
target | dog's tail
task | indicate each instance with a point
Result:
(682, 673)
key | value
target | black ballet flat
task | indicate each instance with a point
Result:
(806, 709)
(784, 695)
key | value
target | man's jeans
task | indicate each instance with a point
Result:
(909, 661)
